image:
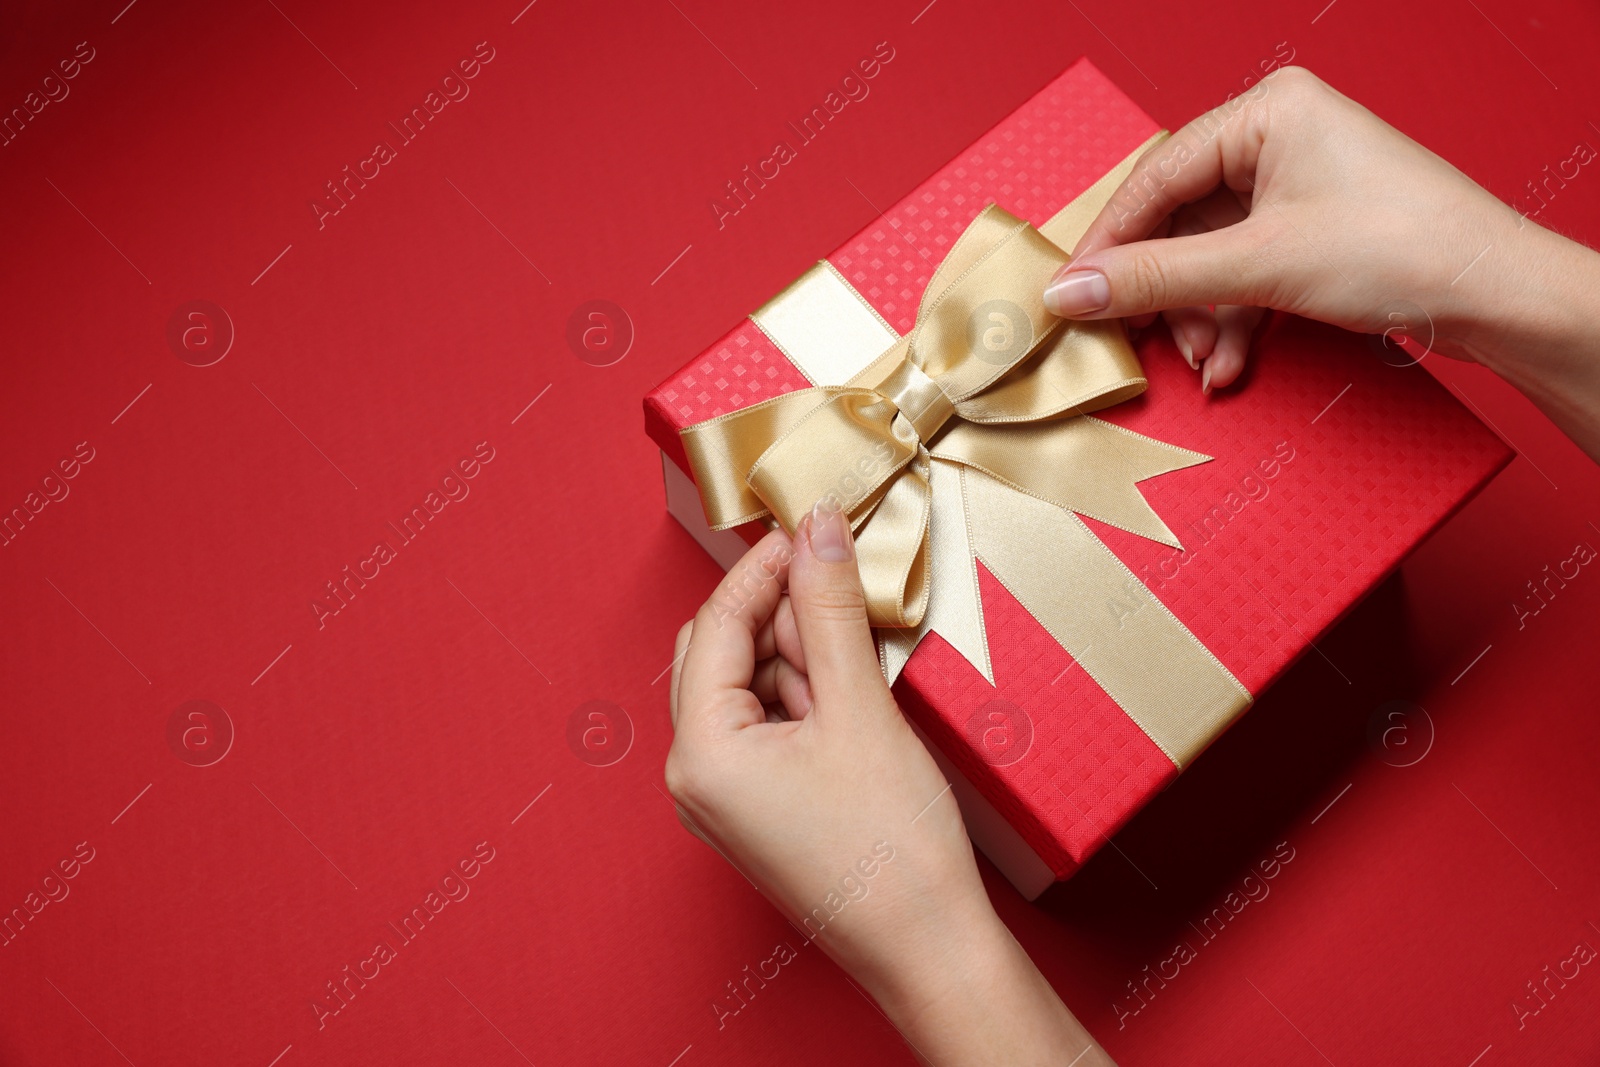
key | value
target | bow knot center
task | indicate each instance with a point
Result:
(919, 398)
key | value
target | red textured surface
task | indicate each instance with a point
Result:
(1269, 562)
(1032, 162)
(1416, 909)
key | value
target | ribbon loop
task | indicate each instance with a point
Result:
(844, 449)
(991, 316)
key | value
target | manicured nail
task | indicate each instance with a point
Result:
(829, 533)
(1185, 347)
(1205, 379)
(1078, 292)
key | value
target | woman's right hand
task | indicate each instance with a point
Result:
(1295, 197)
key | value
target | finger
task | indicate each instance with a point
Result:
(787, 635)
(679, 648)
(1194, 331)
(794, 691)
(713, 690)
(830, 610)
(1214, 150)
(778, 684)
(1194, 328)
(1235, 328)
(1219, 267)
(1208, 165)
(766, 637)
(764, 683)
(1219, 210)
(1141, 322)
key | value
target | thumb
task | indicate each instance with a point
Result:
(1219, 267)
(830, 610)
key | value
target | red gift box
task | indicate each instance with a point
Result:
(1331, 462)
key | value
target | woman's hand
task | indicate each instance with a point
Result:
(1295, 197)
(791, 759)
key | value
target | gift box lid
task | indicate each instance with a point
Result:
(1333, 458)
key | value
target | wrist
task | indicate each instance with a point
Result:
(1533, 305)
(1535, 326)
(986, 1003)
(941, 972)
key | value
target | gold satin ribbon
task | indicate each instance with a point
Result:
(969, 439)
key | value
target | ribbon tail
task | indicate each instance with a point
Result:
(1145, 659)
(955, 605)
(1083, 464)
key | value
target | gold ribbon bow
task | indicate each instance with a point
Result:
(969, 438)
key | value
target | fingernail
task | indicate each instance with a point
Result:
(829, 533)
(1205, 379)
(1185, 347)
(1078, 292)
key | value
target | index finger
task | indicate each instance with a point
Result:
(1221, 146)
(714, 681)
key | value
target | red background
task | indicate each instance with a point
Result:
(422, 719)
